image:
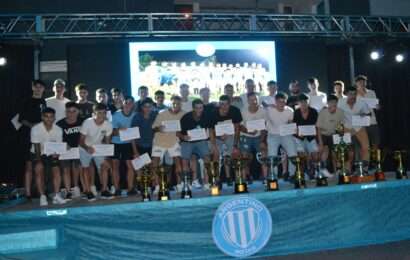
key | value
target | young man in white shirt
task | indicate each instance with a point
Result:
(95, 130)
(186, 103)
(58, 101)
(250, 87)
(276, 117)
(317, 98)
(339, 88)
(46, 131)
(269, 100)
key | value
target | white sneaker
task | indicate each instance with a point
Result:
(43, 201)
(156, 190)
(58, 199)
(76, 192)
(112, 189)
(179, 187)
(207, 186)
(196, 184)
(326, 173)
(94, 190)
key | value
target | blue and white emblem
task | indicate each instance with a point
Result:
(242, 226)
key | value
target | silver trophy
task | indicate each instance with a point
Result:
(271, 162)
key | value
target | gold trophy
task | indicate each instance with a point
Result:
(300, 182)
(163, 193)
(271, 162)
(146, 183)
(212, 169)
(376, 155)
(321, 180)
(186, 192)
(238, 165)
(401, 172)
(341, 150)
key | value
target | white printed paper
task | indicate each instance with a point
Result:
(347, 138)
(371, 102)
(255, 125)
(224, 129)
(71, 154)
(197, 134)
(307, 130)
(103, 150)
(360, 120)
(130, 134)
(54, 148)
(141, 161)
(288, 129)
(171, 125)
(15, 122)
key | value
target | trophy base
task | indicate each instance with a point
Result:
(321, 182)
(300, 184)
(215, 191)
(186, 194)
(344, 179)
(272, 185)
(146, 197)
(241, 188)
(362, 179)
(164, 196)
(379, 176)
(401, 175)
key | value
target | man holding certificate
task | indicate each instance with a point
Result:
(42, 133)
(123, 149)
(165, 126)
(226, 123)
(95, 131)
(276, 117)
(253, 131)
(195, 127)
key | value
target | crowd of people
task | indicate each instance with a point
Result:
(84, 124)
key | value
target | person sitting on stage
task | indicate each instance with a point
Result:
(234, 100)
(352, 106)
(159, 99)
(328, 120)
(95, 130)
(117, 99)
(46, 131)
(252, 142)
(196, 119)
(123, 150)
(305, 115)
(58, 101)
(71, 125)
(143, 93)
(228, 145)
(339, 88)
(85, 106)
(276, 117)
(165, 141)
(317, 98)
(269, 100)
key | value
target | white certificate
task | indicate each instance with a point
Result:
(103, 150)
(347, 138)
(130, 134)
(197, 134)
(15, 122)
(70, 154)
(224, 129)
(288, 129)
(142, 160)
(371, 102)
(317, 102)
(54, 148)
(255, 125)
(307, 130)
(171, 125)
(360, 120)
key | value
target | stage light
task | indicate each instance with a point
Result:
(375, 55)
(3, 61)
(399, 58)
(205, 50)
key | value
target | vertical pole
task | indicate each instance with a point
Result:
(39, 29)
(351, 63)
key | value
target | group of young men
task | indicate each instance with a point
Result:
(84, 124)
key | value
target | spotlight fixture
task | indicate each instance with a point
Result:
(205, 50)
(3, 61)
(375, 55)
(399, 58)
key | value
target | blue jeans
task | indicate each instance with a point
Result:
(287, 143)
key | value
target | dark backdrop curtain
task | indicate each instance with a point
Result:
(15, 84)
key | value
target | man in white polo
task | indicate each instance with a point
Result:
(58, 101)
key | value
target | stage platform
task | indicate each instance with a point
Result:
(313, 219)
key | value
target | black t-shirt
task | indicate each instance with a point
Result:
(234, 115)
(31, 111)
(209, 109)
(71, 132)
(292, 101)
(310, 120)
(112, 108)
(188, 122)
(86, 109)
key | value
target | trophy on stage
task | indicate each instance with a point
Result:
(341, 150)
(321, 180)
(271, 162)
(238, 165)
(212, 169)
(146, 183)
(401, 172)
(186, 192)
(376, 155)
(163, 193)
(300, 182)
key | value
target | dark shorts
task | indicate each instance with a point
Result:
(142, 150)
(123, 152)
(75, 163)
(327, 140)
(48, 161)
(374, 135)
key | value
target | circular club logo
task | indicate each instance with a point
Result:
(242, 226)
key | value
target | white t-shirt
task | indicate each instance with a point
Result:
(360, 107)
(40, 135)
(244, 98)
(58, 105)
(370, 94)
(275, 118)
(186, 106)
(317, 101)
(268, 100)
(248, 116)
(94, 134)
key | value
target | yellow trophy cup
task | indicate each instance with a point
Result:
(163, 193)
(146, 183)
(212, 169)
(238, 165)
(341, 150)
(401, 172)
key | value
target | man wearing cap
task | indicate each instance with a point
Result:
(58, 101)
